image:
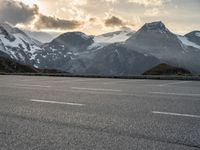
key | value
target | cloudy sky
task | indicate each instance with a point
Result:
(100, 16)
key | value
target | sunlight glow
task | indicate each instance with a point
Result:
(29, 2)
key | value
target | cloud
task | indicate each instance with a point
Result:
(16, 12)
(152, 12)
(48, 22)
(149, 2)
(112, 1)
(114, 21)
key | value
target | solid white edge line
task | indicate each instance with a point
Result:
(175, 114)
(177, 94)
(56, 102)
(95, 89)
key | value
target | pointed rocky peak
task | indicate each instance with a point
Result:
(155, 26)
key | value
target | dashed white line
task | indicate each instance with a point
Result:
(31, 85)
(176, 94)
(95, 89)
(84, 80)
(55, 102)
(174, 83)
(124, 81)
(176, 114)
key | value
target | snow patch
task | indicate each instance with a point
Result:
(96, 45)
(186, 42)
(69, 53)
(116, 38)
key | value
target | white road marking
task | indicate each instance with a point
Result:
(56, 102)
(59, 81)
(175, 114)
(95, 89)
(177, 94)
(72, 80)
(83, 80)
(31, 85)
(174, 83)
(26, 80)
(125, 81)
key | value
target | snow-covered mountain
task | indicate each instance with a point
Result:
(118, 53)
(17, 45)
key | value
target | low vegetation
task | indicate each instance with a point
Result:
(165, 69)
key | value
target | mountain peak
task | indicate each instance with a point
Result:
(72, 41)
(75, 35)
(193, 33)
(155, 26)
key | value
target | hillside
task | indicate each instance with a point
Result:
(165, 69)
(10, 66)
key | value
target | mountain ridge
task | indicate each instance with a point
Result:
(76, 52)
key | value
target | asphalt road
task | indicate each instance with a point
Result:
(49, 113)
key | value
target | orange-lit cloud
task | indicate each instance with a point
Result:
(100, 16)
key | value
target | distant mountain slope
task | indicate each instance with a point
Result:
(115, 59)
(10, 66)
(194, 37)
(43, 37)
(155, 39)
(165, 69)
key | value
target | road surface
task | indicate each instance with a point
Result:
(55, 113)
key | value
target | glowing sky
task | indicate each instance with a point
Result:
(100, 16)
(29, 2)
